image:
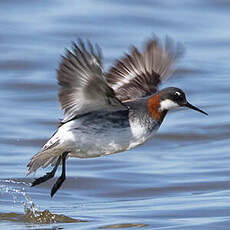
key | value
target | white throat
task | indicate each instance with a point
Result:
(168, 104)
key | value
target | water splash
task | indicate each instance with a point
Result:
(16, 190)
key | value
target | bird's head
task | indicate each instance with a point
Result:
(168, 99)
(172, 97)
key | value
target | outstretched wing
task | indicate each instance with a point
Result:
(83, 85)
(138, 74)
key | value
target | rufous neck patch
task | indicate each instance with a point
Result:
(153, 106)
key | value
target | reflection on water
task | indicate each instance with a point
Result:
(31, 213)
(120, 226)
(37, 217)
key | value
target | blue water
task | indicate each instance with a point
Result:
(178, 180)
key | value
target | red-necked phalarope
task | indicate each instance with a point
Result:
(111, 112)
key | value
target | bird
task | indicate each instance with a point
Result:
(109, 112)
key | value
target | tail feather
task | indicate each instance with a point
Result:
(44, 158)
(51, 161)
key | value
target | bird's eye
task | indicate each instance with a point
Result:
(177, 96)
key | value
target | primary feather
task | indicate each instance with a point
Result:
(138, 74)
(83, 86)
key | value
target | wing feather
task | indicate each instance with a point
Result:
(139, 74)
(83, 87)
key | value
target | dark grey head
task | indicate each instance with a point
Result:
(174, 97)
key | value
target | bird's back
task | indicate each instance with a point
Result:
(101, 133)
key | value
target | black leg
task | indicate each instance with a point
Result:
(48, 175)
(61, 179)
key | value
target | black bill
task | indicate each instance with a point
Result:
(195, 108)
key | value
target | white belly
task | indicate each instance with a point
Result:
(100, 139)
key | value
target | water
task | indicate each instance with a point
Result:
(178, 180)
